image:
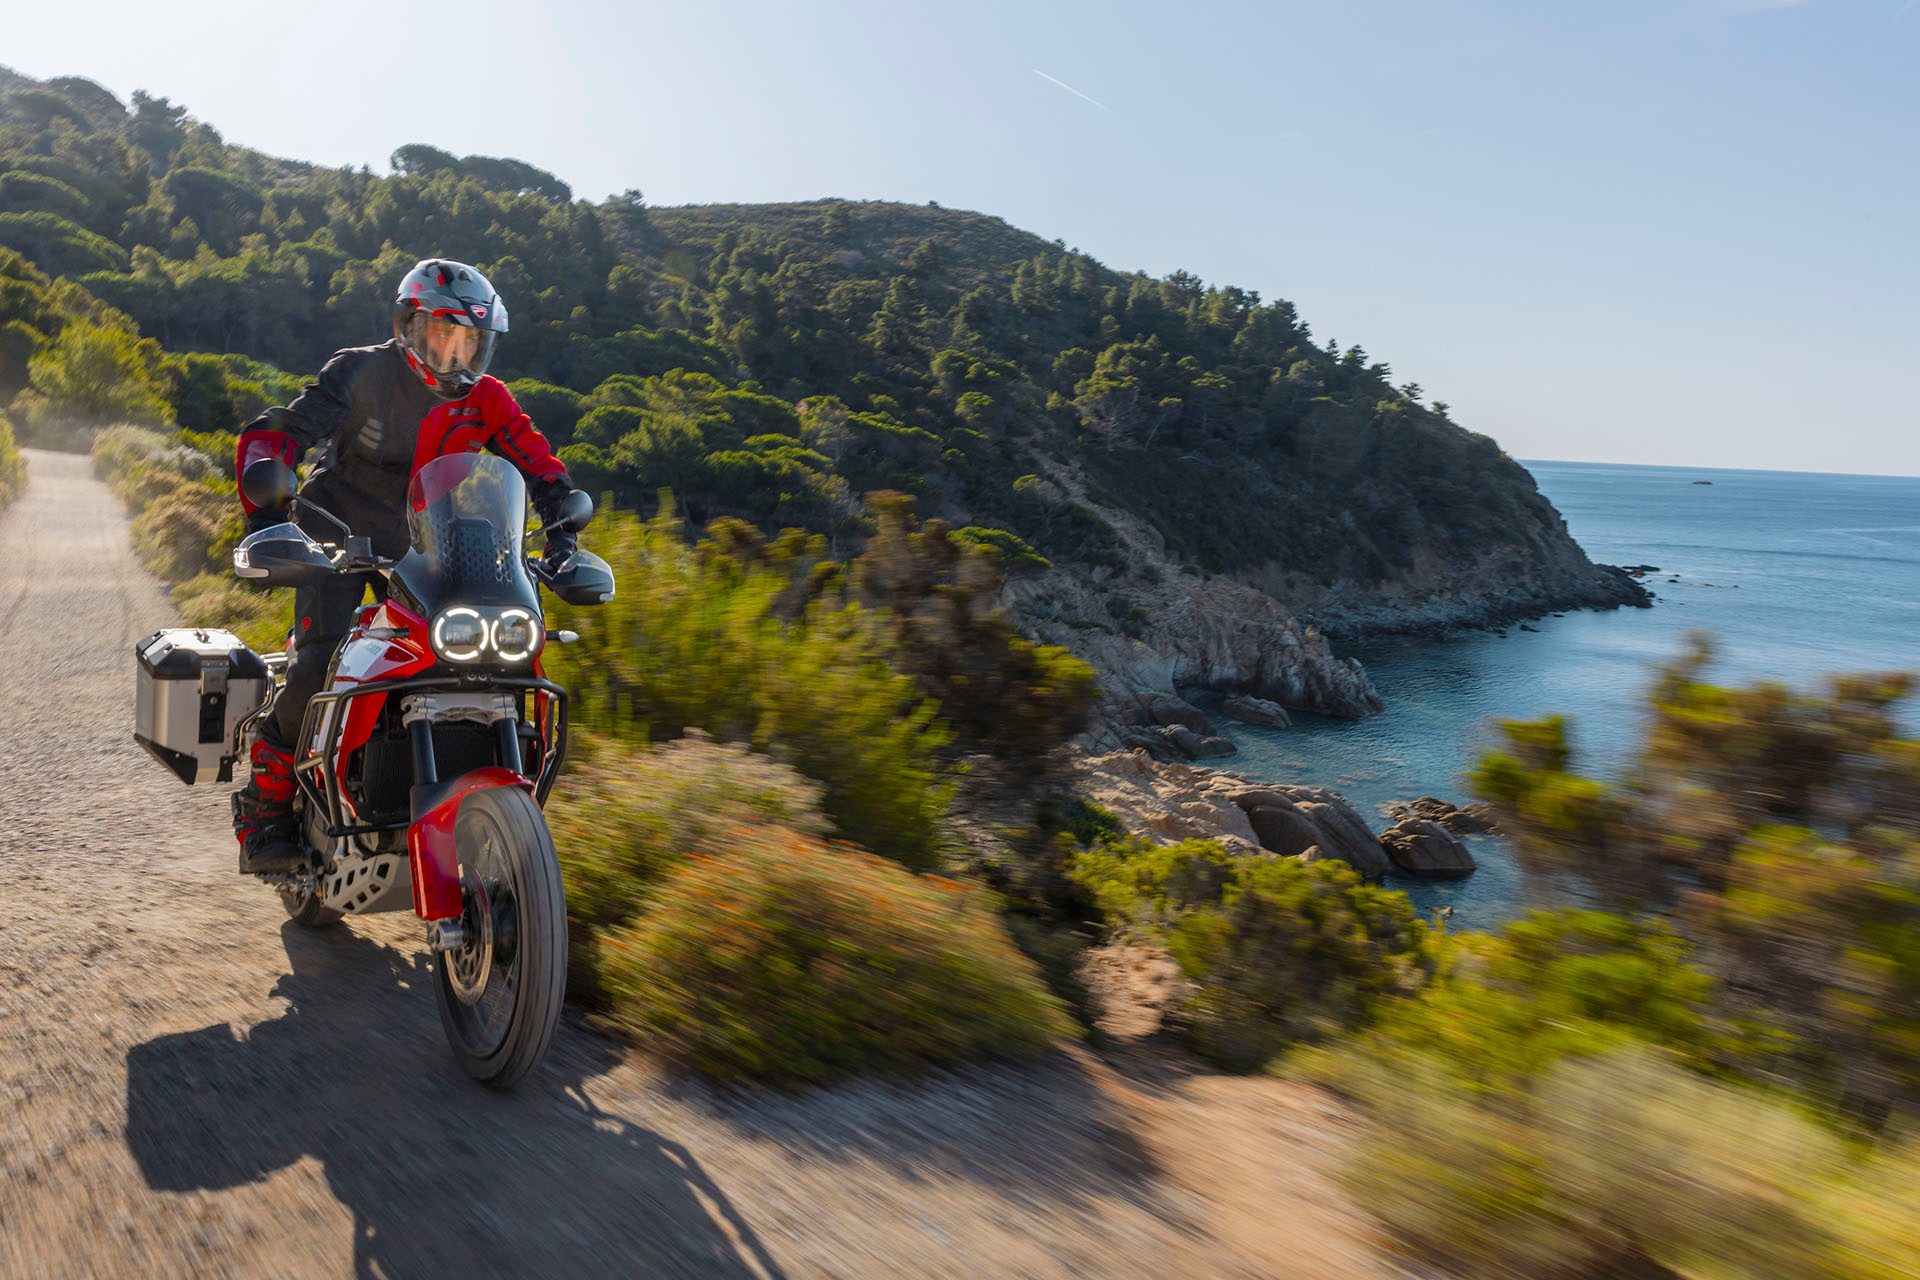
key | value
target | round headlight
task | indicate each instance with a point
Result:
(459, 634)
(517, 635)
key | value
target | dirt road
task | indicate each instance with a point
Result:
(191, 1086)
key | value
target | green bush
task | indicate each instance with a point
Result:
(88, 377)
(13, 467)
(1277, 951)
(789, 961)
(1616, 1165)
(1011, 551)
(1781, 830)
(260, 618)
(627, 817)
(1505, 1009)
(175, 535)
(694, 640)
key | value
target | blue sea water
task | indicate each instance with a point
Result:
(1796, 575)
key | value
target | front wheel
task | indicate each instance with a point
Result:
(500, 991)
(306, 907)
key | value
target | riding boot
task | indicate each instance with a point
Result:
(263, 820)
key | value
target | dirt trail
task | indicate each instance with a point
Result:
(191, 1086)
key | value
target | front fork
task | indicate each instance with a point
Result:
(435, 805)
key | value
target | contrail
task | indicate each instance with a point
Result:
(1887, 26)
(1076, 93)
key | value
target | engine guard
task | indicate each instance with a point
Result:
(430, 846)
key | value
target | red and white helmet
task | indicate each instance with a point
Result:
(448, 319)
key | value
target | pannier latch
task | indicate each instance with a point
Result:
(213, 703)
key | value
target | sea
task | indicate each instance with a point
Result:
(1795, 575)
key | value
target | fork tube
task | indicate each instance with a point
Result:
(506, 732)
(426, 771)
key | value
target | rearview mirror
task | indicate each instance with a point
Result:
(267, 483)
(576, 510)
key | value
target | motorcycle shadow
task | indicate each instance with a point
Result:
(440, 1176)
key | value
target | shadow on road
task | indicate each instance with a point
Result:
(441, 1176)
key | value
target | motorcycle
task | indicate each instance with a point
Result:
(424, 762)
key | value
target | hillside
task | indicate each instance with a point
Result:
(1178, 475)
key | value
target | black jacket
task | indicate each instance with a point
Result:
(373, 423)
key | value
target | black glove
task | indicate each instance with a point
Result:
(561, 543)
(266, 517)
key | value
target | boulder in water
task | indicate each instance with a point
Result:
(1421, 848)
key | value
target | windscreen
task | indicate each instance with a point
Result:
(466, 524)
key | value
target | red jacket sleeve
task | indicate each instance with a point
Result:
(512, 435)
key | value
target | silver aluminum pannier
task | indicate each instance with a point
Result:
(192, 690)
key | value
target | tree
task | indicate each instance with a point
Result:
(92, 376)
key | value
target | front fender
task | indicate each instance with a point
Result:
(430, 846)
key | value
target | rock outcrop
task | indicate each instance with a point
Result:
(1462, 820)
(1251, 710)
(1500, 586)
(1171, 802)
(1421, 848)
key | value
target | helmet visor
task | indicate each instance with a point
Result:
(450, 346)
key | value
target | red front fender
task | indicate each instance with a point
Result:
(430, 847)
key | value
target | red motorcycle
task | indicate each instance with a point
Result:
(424, 762)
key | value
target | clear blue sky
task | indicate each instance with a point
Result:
(1676, 231)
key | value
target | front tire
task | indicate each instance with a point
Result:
(307, 908)
(500, 993)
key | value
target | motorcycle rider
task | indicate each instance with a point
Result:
(376, 415)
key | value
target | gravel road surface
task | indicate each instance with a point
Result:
(190, 1085)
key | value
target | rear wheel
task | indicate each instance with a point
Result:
(500, 992)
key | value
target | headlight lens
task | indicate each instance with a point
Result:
(459, 634)
(467, 634)
(517, 635)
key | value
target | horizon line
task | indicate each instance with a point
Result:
(1686, 466)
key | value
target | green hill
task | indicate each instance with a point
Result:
(775, 362)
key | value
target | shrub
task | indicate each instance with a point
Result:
(216, 599)
(1506, 1008)
(626, 817)
(790, 961)
(13, 467)
(1779, 829)
(1276, 950)
(695, 640)
(174, 536)
(1616, 1165)
(1010, 550)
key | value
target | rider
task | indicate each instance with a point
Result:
(376, 415)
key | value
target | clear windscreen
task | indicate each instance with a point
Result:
(466, 524)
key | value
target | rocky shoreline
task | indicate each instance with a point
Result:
(1168, 802)
(1152, 626)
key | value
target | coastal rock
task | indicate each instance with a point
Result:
(1422, 848)
(1201, 746)
(1345, 834)
(1283, 829)
(1163, 801)
(1172, 627)
(1251, 710)
(1436, 594)
(1174, 742)
(1466, 820)
(1171, 709)
(1171, 801)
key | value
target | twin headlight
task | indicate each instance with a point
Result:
(466, 634)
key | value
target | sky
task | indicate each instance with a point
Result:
(1656, 231)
